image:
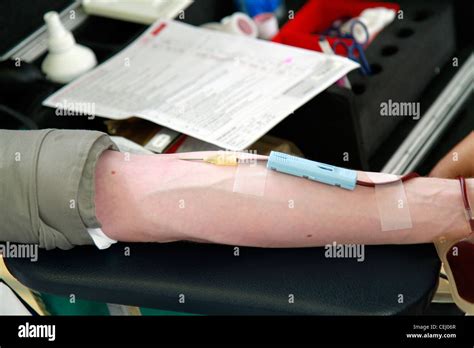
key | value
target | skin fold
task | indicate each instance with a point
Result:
(160, 198)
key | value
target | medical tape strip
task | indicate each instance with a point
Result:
(250, 177)
(392, 203)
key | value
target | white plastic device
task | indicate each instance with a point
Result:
(138, 11)
(238, 23)
(66, 60)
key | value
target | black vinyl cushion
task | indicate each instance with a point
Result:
(391, 280)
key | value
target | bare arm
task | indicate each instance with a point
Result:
(161, 198)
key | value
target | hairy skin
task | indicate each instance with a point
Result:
(159, 198)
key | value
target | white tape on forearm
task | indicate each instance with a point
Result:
(250, 178)
(392, 203)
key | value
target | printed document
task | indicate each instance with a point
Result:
(224, 89)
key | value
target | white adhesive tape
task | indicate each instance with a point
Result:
(392, 202)
(239, 23)
(250, 178)
(267, 25)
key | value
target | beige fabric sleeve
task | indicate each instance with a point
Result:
(47, 186)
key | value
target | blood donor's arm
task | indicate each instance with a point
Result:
(161, 199)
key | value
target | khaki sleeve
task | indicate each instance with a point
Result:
(47, 186)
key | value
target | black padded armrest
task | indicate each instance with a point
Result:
(259, 281)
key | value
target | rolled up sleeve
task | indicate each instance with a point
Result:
(47, 186)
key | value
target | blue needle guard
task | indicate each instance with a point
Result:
(312, 170)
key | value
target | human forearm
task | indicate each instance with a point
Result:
(161, 198)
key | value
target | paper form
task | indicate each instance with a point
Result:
(224, 89)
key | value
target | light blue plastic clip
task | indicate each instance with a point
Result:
(312, 170)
